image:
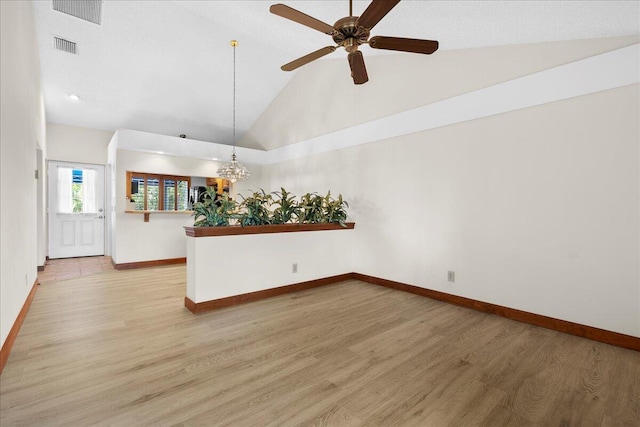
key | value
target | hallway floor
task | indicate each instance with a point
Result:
(69, 268)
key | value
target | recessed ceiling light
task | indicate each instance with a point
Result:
(214, 158)
(160, 152)
(74, 97)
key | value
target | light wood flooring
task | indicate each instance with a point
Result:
(119, 349)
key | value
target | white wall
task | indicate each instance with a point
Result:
(22, 132)
(77, 144)
(217, 266)
(163, 237)
(535, 209)
(400, 82)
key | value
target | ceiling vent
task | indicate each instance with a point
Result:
(89, 10)
(64, 45)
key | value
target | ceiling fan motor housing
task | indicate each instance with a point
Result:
(348, 35)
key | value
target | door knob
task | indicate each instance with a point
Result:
(100, 217)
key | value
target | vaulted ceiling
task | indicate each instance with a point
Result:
(167, 67)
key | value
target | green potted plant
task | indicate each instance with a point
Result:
(214, 211)
(311, 211)
(255, 209)
(335, 211)
(286, 207)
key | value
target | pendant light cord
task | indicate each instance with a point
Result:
(233, 170)
(234, 95)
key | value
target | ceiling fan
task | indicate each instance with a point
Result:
(351, 32)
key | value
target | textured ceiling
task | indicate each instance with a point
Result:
(166, 66)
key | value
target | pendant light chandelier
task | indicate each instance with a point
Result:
(234, 170)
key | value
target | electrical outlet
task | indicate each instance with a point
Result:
(451, 276)
(294, 267)
(26, 280)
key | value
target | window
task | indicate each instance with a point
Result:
(76, 190)
(152, 192)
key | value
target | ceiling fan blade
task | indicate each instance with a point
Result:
(404, 45)
(375, 12)
(301, 18)
(358, 70)
(308, 58)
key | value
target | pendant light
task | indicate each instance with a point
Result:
(234, 170)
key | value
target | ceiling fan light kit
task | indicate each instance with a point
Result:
(351, 32)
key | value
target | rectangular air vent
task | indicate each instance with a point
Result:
(64, 45)
(89, 10)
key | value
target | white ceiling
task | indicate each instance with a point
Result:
(166, 66)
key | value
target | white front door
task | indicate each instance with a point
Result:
(76, 210)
